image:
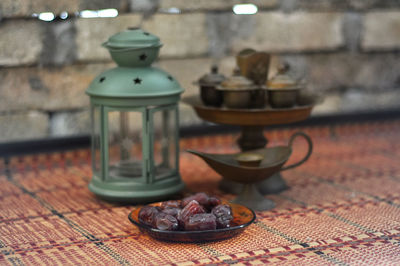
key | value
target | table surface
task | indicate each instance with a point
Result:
(343, 207)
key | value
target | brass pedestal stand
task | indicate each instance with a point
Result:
(252, 123)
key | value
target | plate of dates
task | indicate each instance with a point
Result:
(197, 218)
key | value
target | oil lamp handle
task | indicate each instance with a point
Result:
(310, 148)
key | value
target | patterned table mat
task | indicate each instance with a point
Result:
(342, 208)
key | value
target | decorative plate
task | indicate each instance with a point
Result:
(242, 217)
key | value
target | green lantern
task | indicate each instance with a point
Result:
(134, 113)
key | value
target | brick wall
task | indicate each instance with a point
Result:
(347, 50)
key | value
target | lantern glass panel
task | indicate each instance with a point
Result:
(165, 142)
(125, 144)
(96, 139)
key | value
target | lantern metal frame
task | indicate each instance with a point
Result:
(139, 189)
(135, 86)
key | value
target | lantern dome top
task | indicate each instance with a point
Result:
(132, 37)
(133, 48)
(139, 82)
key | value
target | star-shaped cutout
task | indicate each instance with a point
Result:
(137, 81)
(170, 78)
(102, 79)
(142, 57)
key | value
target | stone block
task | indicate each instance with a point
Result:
(70, 123)
(294, 32)
(25, 8)
(196, 5)
(381, 31)
(92, 32)
(330, 104)
(183, 35)
(146, 8)
(20, 42)
(224, 27)
(47, 88)
(352, 30)
(288, 6)
(337, 5)
(322, 5)
(357, 101)
(59, 43)
(120, 5)
(340, 71)
(23, 126)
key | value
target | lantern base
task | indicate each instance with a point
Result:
(136, 193)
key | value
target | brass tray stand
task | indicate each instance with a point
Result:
(252, 123)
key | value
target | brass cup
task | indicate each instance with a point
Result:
(244, 99)
(211, 96)
(282, 98)
(249, 159)
(237, 99)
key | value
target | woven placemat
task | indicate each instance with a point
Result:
(343, 207)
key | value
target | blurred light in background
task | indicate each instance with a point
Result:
(245, 9)
(88, 14)
(173, 10)
(103, 13)
(46, 16)
(64, 15)
(108, 13)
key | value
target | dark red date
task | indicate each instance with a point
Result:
(213, 201)
(198, 212)
(201, 198)
(166, 222)
(190, 209)
(172, 211)
(201, 222)
(223, 214)
(170, 204)
(147, 215)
